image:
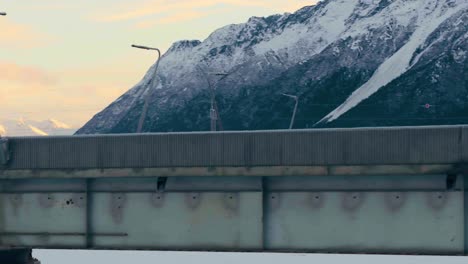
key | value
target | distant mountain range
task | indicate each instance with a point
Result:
(25, 127)
(351, 62)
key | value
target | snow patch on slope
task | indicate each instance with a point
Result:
(37, 131)
(324, 29)
(23, 127)
(399, 63)
(58, 124)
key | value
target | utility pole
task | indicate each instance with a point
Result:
(148, 94)
(296, 98)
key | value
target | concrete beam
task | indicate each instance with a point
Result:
(387, 222)
(271, 171)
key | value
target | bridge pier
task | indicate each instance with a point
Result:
(465, 194)
(17, 256)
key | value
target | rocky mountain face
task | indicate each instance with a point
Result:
(351, 62)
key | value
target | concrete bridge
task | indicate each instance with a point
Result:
(369, 190)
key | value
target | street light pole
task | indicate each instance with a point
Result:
(214, 112)
(148, 94)
(296, 98)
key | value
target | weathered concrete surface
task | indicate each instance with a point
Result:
(398, 214)
(370, 222)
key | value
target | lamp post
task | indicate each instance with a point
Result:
(296, 98)
(148, 94)
(214, 113)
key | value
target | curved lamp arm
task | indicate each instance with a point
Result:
(148, 95)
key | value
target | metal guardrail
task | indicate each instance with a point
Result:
(365, 146)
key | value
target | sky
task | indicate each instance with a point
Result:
(68, 60)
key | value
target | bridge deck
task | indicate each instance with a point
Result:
(386, 190)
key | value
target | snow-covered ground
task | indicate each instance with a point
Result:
(138, 257)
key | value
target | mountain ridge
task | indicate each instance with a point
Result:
(302, 53)
(26, 127)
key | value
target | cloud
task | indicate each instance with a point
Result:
(25, 74)
(78, 94)
(155, 7)
(292, 6)
(55, 6)
(172, 18)
(16, 35)
(184, 10)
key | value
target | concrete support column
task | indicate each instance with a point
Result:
(17, 256)
(465, 195)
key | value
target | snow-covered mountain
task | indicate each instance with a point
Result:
(351, 62)
(25, 127)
